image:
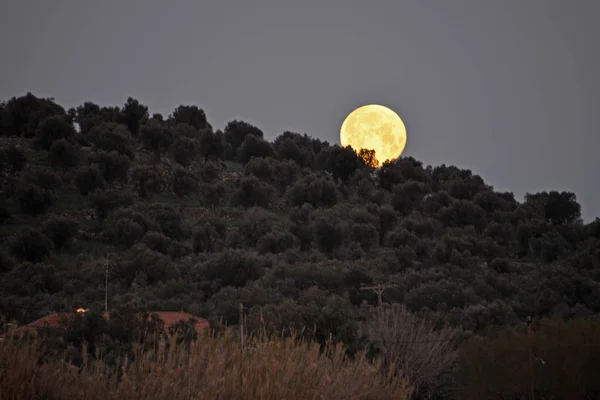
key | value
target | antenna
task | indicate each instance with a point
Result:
(106, 265)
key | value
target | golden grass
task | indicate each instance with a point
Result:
(210, 368)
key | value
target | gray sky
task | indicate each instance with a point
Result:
(506, 88)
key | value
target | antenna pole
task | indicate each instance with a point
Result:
(106, 263)
(378, 289)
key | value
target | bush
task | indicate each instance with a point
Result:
(183, 151)
(125, 232)
(112, 165)
(146, 181)
(60, 230)
(107, 200)
(44, 178)
(183, 183)
(89, 179)
(156, 241)
(64, 155)
(253, 193)
(31, 245)
(12, 160)
(205, 238)
(52, 129)
(33, 200)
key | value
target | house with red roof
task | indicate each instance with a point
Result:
(64, 320)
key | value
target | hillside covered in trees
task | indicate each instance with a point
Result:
(195, 218)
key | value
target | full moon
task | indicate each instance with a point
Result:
(374, 127)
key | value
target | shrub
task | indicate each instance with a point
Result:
(33, 200)
(52, 129)
(107, 200)
(156, 241)
(12, 160)
(89, 179)
(112, 165)
(64, 155)
(44, 178)
(31, 245)
(183, 151)
(60, 230)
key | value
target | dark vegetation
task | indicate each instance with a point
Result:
(194, 218)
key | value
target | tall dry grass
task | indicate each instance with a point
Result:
(210, 368)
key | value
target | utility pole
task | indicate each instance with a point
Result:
(242, 326)
(378, 289)
(106, 264)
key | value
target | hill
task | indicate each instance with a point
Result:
(199, 219)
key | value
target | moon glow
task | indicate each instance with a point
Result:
(374, 127)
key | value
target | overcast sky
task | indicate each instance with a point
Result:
(506, 88)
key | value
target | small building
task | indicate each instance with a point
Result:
(64, 320)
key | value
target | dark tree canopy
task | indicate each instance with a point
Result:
(202, 220)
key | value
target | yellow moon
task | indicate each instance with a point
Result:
(374, 127)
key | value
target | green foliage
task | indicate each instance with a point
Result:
(156, 137)
(237, 131)
(60, 231)
(110, 136)
(31, 245)
(110, 199)
(132, 113)
(52, 129)
(64, 155)
(212, 145)
(12, 160)
(146, 181)
(292, 233)
(253, 193)
(89, 179)
(113, 166)
(44, 178)
(33, 200)
(183, 150)
(183, 182)
(190, 115)
(254, 146)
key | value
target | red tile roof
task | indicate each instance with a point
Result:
(63, 320)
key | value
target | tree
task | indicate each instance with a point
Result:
(33, 200)
(51, 129)
(341, 162)
(559, 207)
(132, 113)
(211, 145)
(31, 245)
(183, 182)
(191, 115)
(254, 146)
(328, 235)
(156, 137)
(60, 231)
(21, 116)
(236, 131)
(109, 136)
(12, 160)
(183, 150)
(112, 165)
(369, 158)
(146, 181)
(89, 179)
(64, 155)
(253, 193)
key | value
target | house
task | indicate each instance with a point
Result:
(63, 320)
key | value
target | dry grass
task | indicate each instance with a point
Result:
(212, 368)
